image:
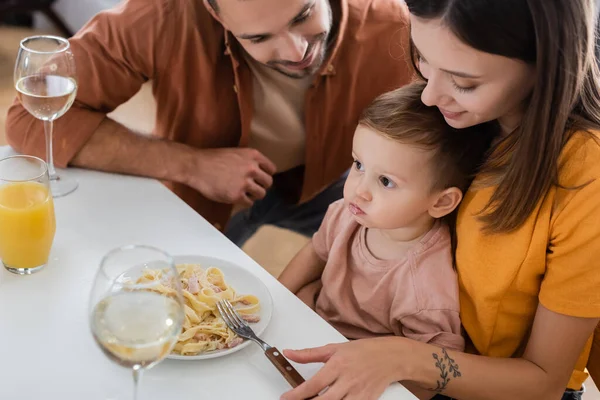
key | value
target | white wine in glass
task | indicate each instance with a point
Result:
(136, 329)
(46, 87)
(136, 307)
(46, 97)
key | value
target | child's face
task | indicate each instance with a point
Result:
(390, 183)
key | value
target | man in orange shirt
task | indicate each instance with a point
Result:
(257, 100)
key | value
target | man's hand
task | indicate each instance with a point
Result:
(227, 175)
(232, 175)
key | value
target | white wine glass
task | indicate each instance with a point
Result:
(46, 87)
(136, 307)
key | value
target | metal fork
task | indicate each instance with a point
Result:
(239, 326)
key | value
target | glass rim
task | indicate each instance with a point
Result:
(119, 249)
(36, 37)
(25, 157)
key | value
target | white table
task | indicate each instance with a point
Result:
(46, 348)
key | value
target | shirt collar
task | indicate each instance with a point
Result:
(328, 67)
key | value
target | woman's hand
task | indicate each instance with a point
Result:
(358, 370)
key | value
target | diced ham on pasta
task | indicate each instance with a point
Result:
(251, 318)
(193, 284)
(235, 342)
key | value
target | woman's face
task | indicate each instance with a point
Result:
(467, 85)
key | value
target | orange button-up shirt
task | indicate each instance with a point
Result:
(203, 86)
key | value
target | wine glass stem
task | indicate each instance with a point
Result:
(48, 127)
(137, 374)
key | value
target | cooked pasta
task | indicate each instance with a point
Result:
(203, 329)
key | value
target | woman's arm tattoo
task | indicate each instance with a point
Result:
(447, 367)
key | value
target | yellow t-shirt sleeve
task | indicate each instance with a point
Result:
(571, 285)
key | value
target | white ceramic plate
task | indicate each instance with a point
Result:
(244, 282)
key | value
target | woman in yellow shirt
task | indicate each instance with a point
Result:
(528, 254)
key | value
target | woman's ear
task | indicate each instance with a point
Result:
(445, 202)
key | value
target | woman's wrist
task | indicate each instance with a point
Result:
(400, 358)
(413, 361)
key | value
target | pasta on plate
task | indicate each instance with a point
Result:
(203, 329)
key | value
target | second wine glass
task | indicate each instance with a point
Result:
(136, 307)
(46, 87)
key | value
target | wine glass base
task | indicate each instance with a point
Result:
(62, 186)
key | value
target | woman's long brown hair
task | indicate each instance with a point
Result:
(558, 38)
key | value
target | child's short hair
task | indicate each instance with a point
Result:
(401, 115)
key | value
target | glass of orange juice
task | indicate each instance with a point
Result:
(27, 222)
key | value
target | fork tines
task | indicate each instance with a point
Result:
(230, 315)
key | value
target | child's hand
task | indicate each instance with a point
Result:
(308, 294)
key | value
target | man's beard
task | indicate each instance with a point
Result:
(322, 39)
(318, 59)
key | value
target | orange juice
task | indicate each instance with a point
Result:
(27, 224)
